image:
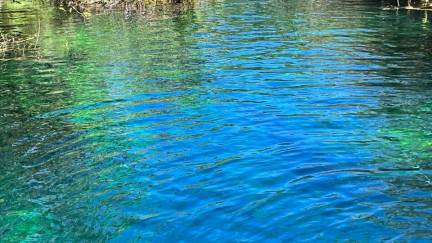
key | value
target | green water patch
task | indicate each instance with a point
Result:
(26, 225)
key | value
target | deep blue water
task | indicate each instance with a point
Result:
(229, 121)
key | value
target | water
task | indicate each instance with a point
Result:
(231, 121)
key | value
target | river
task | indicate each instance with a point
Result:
(230, 121)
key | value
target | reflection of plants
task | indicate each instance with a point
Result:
(149, 7)
(13, 44)
(414, 4)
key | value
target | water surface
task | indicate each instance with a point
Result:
(232, 121)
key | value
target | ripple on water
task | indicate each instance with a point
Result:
(250, 121)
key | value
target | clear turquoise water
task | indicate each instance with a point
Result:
(231, 121)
